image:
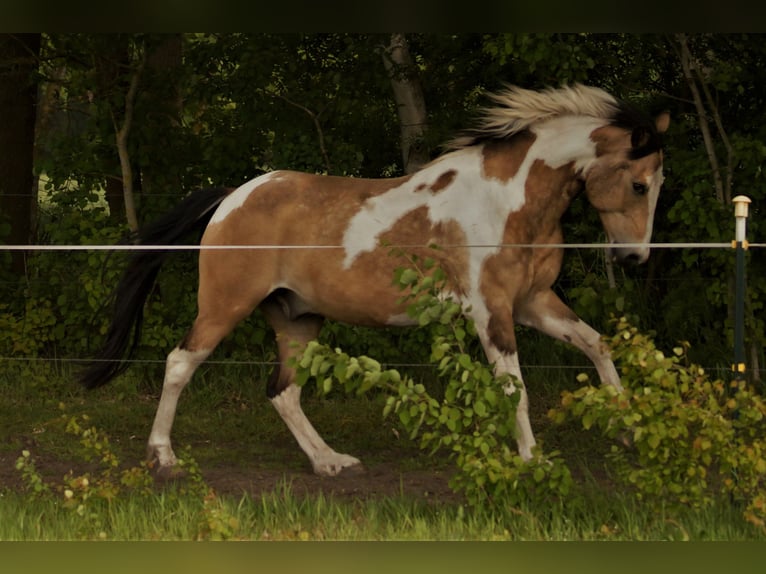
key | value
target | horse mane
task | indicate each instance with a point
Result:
(518, 108)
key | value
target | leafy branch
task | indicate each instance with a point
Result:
(474, 420)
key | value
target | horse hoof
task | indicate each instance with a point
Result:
(353, 470)
(346, 467)
(169, 473)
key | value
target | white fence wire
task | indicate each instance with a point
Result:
(255, 363)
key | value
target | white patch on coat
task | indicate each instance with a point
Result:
(480, 204)
(566, 139)
(458, 201)
(237, 198)
(655, 184)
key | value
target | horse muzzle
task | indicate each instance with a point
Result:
(628, 256)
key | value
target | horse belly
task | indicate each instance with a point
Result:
(359, 306)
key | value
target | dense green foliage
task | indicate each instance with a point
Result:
(686, 438)
(219, 109)
(228, 107)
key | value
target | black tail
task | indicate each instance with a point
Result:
(192, 214)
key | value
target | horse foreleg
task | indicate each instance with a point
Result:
(179, 368)
(508, 363)
(548, 314)
(499, 342)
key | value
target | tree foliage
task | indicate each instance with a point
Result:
(232, 106)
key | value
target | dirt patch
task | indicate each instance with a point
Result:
(379, 481)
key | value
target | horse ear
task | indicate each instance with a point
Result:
(662, 121)
(639, 137)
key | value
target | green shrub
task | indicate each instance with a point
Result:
(687, 439)
(89, 495)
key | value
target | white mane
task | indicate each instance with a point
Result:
(519, 108)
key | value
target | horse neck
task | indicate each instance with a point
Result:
(566, 140)
(560, 154)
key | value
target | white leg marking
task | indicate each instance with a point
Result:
(588, 340)
(541, 314)
(179, 368)
(324, 460)
(525, 438)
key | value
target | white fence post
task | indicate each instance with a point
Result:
(741, 204)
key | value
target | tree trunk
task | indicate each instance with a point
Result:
(121, 139)
(162, 103)
(19, 59)
(410, 103)
(110, 67)
(688, 65)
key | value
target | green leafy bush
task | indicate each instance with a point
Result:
(90, 494)
(687, 439)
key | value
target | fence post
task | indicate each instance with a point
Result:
(740, 243)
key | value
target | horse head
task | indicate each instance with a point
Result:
(623, 183)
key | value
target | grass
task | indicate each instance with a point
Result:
(224, 420)
(283, 516)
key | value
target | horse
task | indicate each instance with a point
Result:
(304, 247)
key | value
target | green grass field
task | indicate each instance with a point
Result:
(226, 426)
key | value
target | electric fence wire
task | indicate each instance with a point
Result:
(133, 247)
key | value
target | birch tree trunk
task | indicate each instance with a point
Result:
(121, 139)
(410, 103)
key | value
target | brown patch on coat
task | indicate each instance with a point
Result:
(444, 180)
(512, 275)
(502, 159)
(309, 210)
(293, 209)
(501, 332)
(415, 229)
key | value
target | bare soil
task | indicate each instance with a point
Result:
(383, 480)
(379, 481)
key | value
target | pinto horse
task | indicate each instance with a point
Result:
(302, 247)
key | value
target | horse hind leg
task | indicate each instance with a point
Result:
(180, 365)
(292, 334)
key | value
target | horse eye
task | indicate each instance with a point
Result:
(639, 188)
